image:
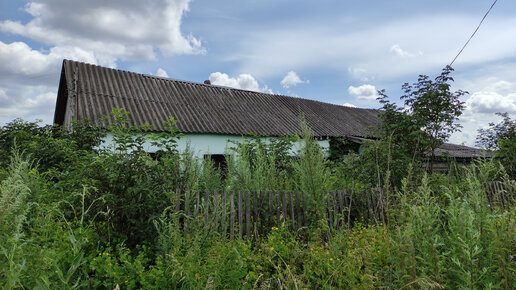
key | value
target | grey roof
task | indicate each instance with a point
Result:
(461, 151)
(91, 92)
(199, 108)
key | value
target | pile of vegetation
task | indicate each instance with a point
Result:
(76, 214)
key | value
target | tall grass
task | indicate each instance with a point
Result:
(442, 231)
(14, 207)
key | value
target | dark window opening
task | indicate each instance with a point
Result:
(219, 162)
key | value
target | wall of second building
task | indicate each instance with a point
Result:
(202, 144)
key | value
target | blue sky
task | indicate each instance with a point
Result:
(333, 51)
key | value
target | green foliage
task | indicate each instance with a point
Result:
(428, 118)
(255, 165)
(312, 173)
(501, 137)
(98, 217)
(340, 147)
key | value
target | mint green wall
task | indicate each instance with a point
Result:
(201, 144)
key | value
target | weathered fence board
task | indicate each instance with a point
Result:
(246, 213)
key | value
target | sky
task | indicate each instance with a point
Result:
(335, 51)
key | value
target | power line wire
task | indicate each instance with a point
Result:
(473, 32)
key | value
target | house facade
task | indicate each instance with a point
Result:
(207, 115)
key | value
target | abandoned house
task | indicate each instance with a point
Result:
(209, 115)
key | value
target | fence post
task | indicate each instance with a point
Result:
(298, 208)
(224, 213)
(292, 217)
(232, 219)
(270, 213)
(247, 214)
(216, 209)
(187, 210)
(240, 214)
(330, 211)
(206, 205)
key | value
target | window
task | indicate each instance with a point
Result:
(219, 162)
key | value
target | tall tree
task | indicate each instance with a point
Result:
(429, 115)
(501, 138)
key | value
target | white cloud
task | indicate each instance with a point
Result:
(398, 51)
(291, 79)
(162, 73)
(18, 58)
(349, 105)
(30, 102)
(128, 29)
(243, 81)
(363, 92)
(493, 95)
(95, 31)
(491, 102)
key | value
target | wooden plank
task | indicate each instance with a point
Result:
(224, 213)
(232, 218)
(187, 209)
(240, 219)
(292, 216)
(330, 211)
(334, 207)
(256, 212)
(349, 207)
(298, 209)
(269, 208)
(284, 205)
(247, 214)
(206, 205)
(278, 206)
(341, 207)
(216, 210)
(197, 203)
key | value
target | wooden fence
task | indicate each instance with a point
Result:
(240, 213)
(500, 194)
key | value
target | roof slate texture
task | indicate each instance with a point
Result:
(200, 108)
(92, 92)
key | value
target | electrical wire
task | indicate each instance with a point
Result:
(473, 32)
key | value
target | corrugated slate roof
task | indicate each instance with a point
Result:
(200, 108)
(93, 91)
(461, 151)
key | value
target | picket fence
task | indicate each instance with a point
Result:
(243, 213)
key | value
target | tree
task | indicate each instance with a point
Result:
(501, 138)
(428, 117)
(491, 137)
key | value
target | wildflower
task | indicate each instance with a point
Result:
(197, 276)
(511, 256)
(311, 249)
(331, 259)
(272, 249)
(464, 200)
(488, 205)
